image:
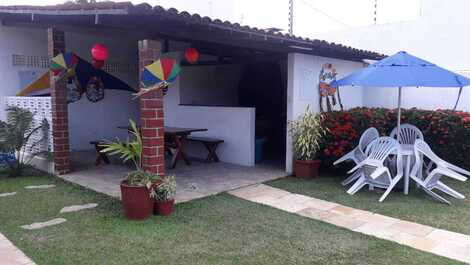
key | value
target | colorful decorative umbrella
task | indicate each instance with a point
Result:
(63, 62)
(164, 70)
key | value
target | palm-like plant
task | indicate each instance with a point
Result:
(16, 137)
(131, 150)
(307, 133)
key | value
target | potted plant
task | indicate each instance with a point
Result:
(138, 187)
(164, 196)
(307, 132)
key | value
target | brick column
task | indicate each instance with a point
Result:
(60, 126)
(151, 114)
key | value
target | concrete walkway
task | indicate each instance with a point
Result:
(437, 241)
(11, 255)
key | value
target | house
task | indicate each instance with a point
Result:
(437, 34)
(248, 82)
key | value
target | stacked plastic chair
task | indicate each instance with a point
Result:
(357, 155)
(432, 178)
(373, 170)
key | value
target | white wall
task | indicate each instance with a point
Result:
(93, 121)
(439, 36)
(87, 121)
(302, 90)
(210, 85)
(236, 126)
(17, 41)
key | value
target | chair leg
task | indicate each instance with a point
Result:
(361, 182)
(351, 178)
(444, 188)
(371, 187)
(389, 189)
(435, 195)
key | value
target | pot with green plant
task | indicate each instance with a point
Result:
(307, 133)
(138, 187)
(164, 195)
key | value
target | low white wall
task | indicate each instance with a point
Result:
(236, 126)
(302, 90)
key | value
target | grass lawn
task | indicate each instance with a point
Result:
(217, 230)
(417, 206)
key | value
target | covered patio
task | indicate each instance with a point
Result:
(198, 180)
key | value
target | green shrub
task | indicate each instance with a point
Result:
(447, 132)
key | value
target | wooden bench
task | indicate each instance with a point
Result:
(210, 144)
(99, 156)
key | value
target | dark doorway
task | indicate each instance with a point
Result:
(264, 86)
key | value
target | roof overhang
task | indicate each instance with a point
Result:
(170, 24)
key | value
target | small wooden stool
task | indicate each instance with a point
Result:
(100, 156)
(210, 144)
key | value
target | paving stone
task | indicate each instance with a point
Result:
(343, 221)
(40, 187)
(258, 190)
(75, 208)
(314, 213)
(344, 210)
(40, 225)
(376, 218)
(452, 251)
(11, 255)
(14, 258)
(412, 228)
(320, 204)
(382, 231)
(7, 194)
(455, 238)
(288, 205)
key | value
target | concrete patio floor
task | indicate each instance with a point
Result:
(195, 181)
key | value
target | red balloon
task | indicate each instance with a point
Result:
(98, 64)
(191, 55)
(100, 52)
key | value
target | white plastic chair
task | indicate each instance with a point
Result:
(408, 134)
(433, 179)
(358, 155)
(373, 171)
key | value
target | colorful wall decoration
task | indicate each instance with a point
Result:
(82, 78)
(330, 98)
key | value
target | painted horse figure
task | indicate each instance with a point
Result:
(330, 98)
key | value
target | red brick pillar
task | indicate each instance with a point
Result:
(151, 114)
(60, 126)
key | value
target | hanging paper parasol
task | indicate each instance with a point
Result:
(159, 75)
(63, 62)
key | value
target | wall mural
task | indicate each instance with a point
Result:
(330, 98)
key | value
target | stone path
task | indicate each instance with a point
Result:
(40, 187)
(437, 241)
(40, 225)
(7, 194)
(76, 208)
(11, 255)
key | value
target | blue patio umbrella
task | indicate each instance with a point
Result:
(404, 70)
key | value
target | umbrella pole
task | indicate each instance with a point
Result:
(399, 111)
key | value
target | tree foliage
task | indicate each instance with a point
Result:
(16, 137)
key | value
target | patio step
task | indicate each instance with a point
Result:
(425, 238)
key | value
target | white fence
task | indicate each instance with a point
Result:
(41, 108)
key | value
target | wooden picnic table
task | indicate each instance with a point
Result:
(175, 142)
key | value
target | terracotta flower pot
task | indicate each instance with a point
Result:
(306, 168)
(136, 202)
(164, 207)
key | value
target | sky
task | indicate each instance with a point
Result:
(311, 17)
